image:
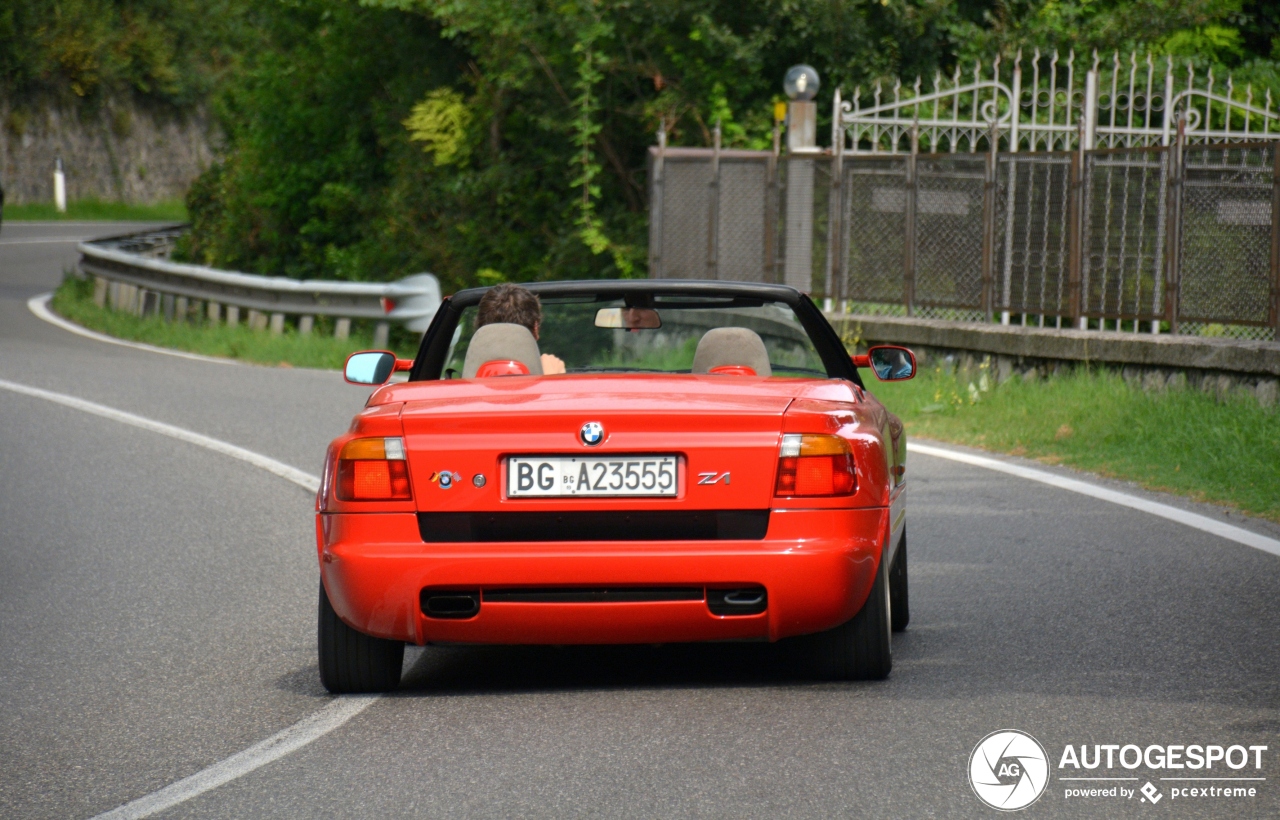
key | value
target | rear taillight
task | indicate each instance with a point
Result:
(811, 465)
(373, 469)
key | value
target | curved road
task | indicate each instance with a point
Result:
(157, 605)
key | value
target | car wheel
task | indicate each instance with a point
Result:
(862, 647)
(352, 661)
(898, 587)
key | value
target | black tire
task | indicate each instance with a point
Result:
(898, 587)
(352, 661)
(862, 647)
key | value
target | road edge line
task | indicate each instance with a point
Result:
(256, 756)
(1184, 517)
(271, 465)
(39, 305)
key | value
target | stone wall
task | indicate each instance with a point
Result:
(115, 151)
(1222, 367)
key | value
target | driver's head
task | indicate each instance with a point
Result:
(510, 303)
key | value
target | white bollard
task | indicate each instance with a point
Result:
(59, 188)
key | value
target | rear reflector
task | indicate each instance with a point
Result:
(815, 465)
(373, 469)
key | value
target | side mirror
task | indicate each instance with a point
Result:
(890, 363)
(373, 367)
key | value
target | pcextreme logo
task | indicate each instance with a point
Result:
(1010, 770)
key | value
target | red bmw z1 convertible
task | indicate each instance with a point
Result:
(709, 467)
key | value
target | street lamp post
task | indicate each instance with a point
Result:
(801, 85)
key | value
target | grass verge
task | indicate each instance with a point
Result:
(1180, 441)
(93, 209)
(74, 300)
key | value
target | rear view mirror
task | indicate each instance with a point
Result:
(890, 363)
(631, 318)
(373, 367)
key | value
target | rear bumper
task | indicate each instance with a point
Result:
(816, 565)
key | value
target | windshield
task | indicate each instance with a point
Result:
(571, 330)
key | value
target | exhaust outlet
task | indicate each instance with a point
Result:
(450, 604)
(741, 601)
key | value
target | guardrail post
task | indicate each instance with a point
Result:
(380, 333)
(100, 291)
(182, 307)
(909, 220)
(342, 329)
(233, 314)
(305, 325)
(277, 323)
(168, 305)
(214, 311)
(257, 320)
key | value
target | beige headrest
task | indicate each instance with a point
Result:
(501, 341)
(731, 345)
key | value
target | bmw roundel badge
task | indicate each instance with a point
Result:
(592, 433)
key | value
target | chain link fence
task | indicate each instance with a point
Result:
(1183, 239)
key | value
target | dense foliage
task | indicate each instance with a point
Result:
(506, 139)
(171, 52)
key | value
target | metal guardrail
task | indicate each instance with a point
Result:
(133, 273)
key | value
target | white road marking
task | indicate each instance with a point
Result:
(273, 748)
(304, 480)
(39, 305)
(1190, 519)
(336, 713)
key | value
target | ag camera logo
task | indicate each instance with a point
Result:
(1008, 770)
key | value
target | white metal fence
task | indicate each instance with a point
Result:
(1124, 194)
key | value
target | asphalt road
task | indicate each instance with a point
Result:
(157, 606)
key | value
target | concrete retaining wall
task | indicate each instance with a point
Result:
(116, 151)
(1219, 366)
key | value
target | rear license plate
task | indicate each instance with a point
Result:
(591, 476)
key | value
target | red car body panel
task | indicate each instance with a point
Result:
(817, 560)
